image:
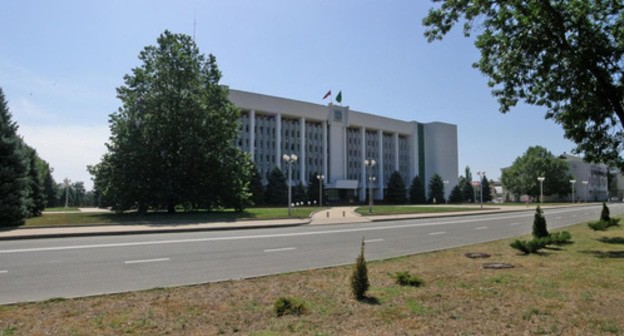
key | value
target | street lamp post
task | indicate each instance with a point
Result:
(541, 181)
(572, 182)
(320, 178)
(445, 194)
(481, 174)
(585, 183)
(290, 159)
(369, 164)
(66, 181)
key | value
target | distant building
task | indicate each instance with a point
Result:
(334, 141)
(591, 179)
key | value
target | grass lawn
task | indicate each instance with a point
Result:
(404, 209)
(575, 290)
(61, 209)
(79, 218)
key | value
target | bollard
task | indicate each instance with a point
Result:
(344, 214)
(327, 214)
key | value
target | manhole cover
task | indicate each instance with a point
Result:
(497, 265)
(475, 255)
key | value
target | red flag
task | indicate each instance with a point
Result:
(327, 94)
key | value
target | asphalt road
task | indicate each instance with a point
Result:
(32, 270)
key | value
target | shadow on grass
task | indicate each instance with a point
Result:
(612, 240)
(606, 254)
(371, 300)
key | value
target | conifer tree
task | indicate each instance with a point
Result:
(13, 171)
(35, 195)
(276, 190)
(417, 191)
(539, 224)
(396, 193)
(359, 278)
(256, 187)
(456, 195)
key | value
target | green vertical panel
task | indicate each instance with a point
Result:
(421, 152)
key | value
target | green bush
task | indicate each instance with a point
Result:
(605, 214)
(559, 238)
(529, 246)
(407, 279)
(359, 278)
(289, 306)
(598, 226)
(539, 224)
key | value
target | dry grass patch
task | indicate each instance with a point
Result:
(576, 290)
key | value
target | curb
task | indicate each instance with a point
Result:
(146, 231)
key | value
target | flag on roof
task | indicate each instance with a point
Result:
(339, 97)
(327, 94)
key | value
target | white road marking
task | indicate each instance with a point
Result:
(512, 224)
(481, 228)
(3, 271)
(145, 261)
(373, 240)
(437, 233)
(264, 236)
(280, 249)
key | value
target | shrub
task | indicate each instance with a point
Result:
(605, 214)
(359, 278)
(539, 224)
(529, 246)
(407, 279)
(559, 238)
(602, 225)
(289, 306)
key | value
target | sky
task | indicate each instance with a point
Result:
(61, 62)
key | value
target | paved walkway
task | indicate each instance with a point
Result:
(336, 215)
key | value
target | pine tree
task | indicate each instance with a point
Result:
(299, 194)
(396, 192)
(417, 191)
(456, 195)
(539, 224)
(13, 171)
(35, 194)
(487, 191)
(605, 214)
(436, 190)
(256, 187)
(359, 278)
(276, 190)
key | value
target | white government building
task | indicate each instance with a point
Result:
(335, 141)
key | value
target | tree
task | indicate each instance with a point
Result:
(565, 56)
(521, 177)
(359, 277)
(13, 171)
(467, 188)
(50, 190)
(417, 191)
(487, 190)
(539, 224)
(436, 189)
(396, 192)
(299, 193)
(456, 195)
(172, 140)
(256, 187)
(34, 191)
(78, 193)
(276, 190)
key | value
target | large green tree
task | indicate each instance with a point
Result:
(436, 190)
(565, 56)
(467, 188)
(456, 195)
(172, 140)
(35, 189)
(417, 191)
(521, 177)
(276, 192)
(13, 170)
(396, 192)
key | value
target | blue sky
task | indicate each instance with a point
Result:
(60, 62)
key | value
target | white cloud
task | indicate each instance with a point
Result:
(68, 149)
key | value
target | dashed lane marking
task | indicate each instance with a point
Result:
(437, 233)
(374, 240)
(145, 260)
(283, 249)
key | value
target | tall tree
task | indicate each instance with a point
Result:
(256, 187)
(436, 190)
(50, 190)
(565, 56)
(172, 140)
(467, 188)
(299, 193)
(396, 192)
(276, 190)
(456, 195)
(521, 177)
(487, 190)
(417, 191)
(35, 190)
(13, 171)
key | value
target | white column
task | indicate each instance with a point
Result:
(324, 158)
(252, 135)
(278, 140)
(396, 153)
(302, 156)
(380, 171)
(363, 177)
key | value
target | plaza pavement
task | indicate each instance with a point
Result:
(334, 215)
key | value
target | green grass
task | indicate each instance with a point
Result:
(398, 209)
(61, 209)
(129, 218)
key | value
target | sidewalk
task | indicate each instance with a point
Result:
(336, 215)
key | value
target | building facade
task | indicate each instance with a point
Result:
(591, 179)
(334, 141)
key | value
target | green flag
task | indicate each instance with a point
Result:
(339, 97)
